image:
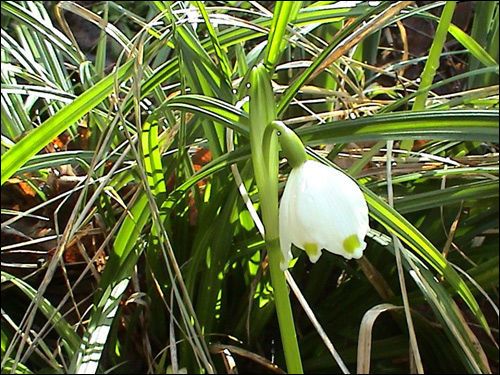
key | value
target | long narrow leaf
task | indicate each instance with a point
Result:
(51, 128)
(448, 125)
(113, 284)
(284, 12)
(63, 328)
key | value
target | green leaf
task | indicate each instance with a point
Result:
(284, 12)
(473, 191)
(397, 224)
(62, 327)
(213, 109)
(447, 311)
(152, 159)
(359, 24)
(26, 17)
(38, 138)
(472, 46)
(113, 284)
(448, 125)
(221, 54)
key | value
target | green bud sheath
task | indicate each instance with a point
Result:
(292, 146)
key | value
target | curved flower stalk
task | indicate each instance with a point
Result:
(321, 207)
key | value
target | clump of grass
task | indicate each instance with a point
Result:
(131, 231)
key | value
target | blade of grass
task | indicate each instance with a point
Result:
(284, 12)
(448, 312)
(483, 15)
(483, 189)
(432, 63)
(113, 284)
(63, 328)
(415, 351)
(50, 33)
(52, 127)
(365, 335)
(449, 125)
(221, 55)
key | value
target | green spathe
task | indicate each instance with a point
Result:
(290, 143)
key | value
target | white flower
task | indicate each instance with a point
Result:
(322, 208)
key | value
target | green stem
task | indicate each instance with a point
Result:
(284, 310)
(432, 63)
(264, 145)
(484, 12)
(278, 281)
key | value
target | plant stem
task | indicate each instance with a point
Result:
(284, 310)
(280, 288)
(432, 63)
(264, 145)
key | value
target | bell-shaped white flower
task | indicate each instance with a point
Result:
(322, 208)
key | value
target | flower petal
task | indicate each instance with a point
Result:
(286, 221)
(322, 208)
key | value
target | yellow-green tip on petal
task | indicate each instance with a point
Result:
(313, 251)
(351, 243)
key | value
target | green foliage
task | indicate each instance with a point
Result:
(142, 148)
